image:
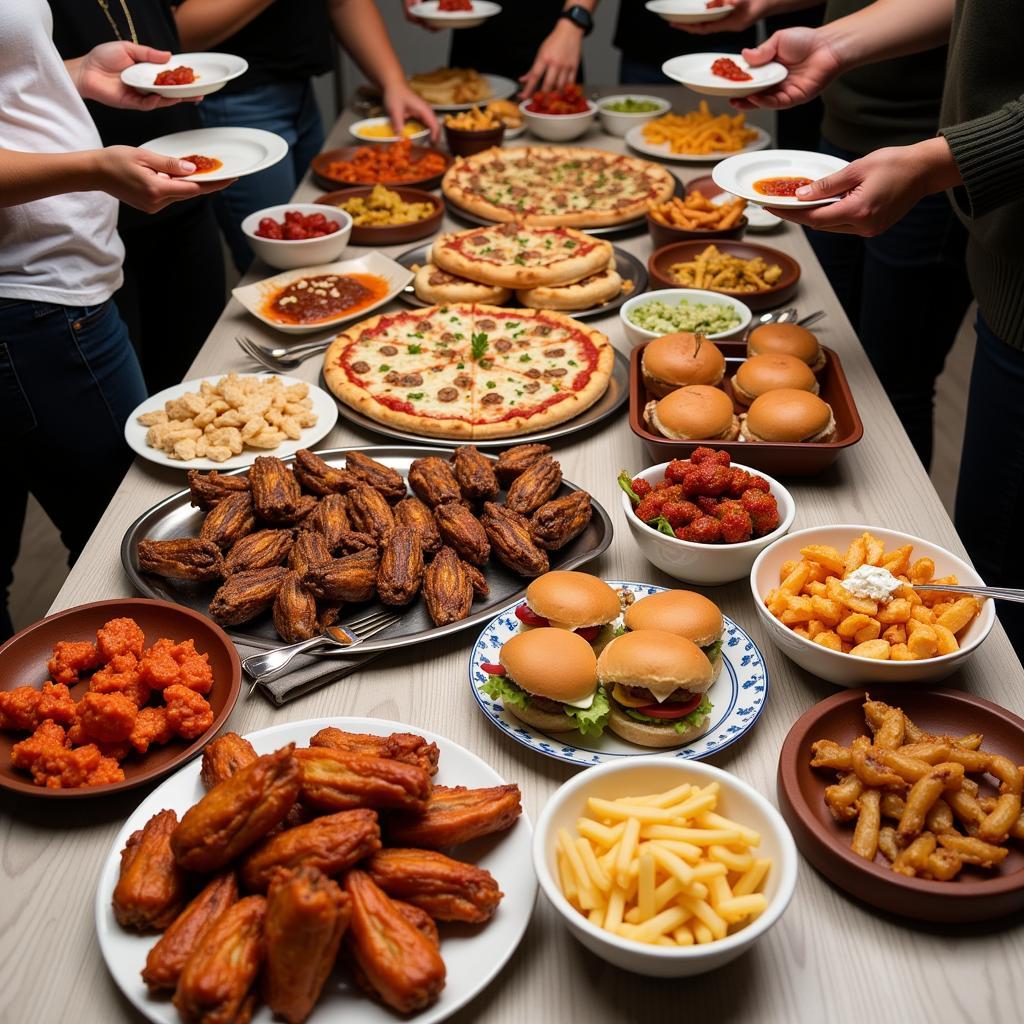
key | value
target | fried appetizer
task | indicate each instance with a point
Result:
(433, 481)
(352, 578)
(150, 889)
(513, 462)
(400, 572)
(332, 844)
(206, 489)
(511, 540)
(475, 474)
(463, 532)
(381, 478)
(259, 550)
(184, 558)
(229, 520)
(420, 920)
(447, 588)
(307, 916)
(369, 513)
(238, 812)
(216, 983)
(335, 781)
(400, 746)
(559, 521)
(294, 611)
(401, 965)
(167, 958)
(275, 491)
(244, 595)
(412, 512)
(447, 889)
(455, 814)
(310, 548)
(317, 477)
(226, 756)
(477, 580)
(330, 520)
(534, 486)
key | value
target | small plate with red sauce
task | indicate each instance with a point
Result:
(314, 298)
(771, 178)
(223, 153)
(442, 14)
(185, 75)
(689, 12)
(723, 74)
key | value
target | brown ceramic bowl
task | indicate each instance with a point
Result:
(392, 234)
(320, 168)
(975, 894)
(679, 252)
(467, 143)
(662, 235)
(23, 662)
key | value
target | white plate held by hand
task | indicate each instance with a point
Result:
(739, 173)
(694, 71)
(431, 14)
(241, 151)
(212, 70)
(687, 12)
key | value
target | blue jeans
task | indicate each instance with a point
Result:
(287, 108)
(905, 292)
(990, 491)
(68, 380)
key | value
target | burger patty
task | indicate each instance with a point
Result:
(544, 704)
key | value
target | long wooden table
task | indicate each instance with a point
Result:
(829, 958)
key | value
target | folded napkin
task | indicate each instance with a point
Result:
(306, 672)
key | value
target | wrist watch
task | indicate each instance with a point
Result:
(580, 17)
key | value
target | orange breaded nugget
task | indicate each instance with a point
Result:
(120, 636)
(152, 726)
(56, 704)
(189, 713)
(167, 663)
(71, 657)
(18, 708)
(107, 717)
(53, 765)
(122, 675)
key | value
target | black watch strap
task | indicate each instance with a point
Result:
(580, 17)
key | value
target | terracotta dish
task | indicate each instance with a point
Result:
(23, 662)
(663, 234)
(975, 895)
(391, 234)
(322, 161)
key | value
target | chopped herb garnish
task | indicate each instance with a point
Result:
(479, 345)
(383, 368)
(491, 384)
(460, 366)
(414, 396)
(525, 358)
(572, 362)
(520, 261)
(414, 349)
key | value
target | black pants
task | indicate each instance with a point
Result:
(173, 288)
(799, 126)
(905, 292)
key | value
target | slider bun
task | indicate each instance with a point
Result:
(646, 735)
(669, 362)
(552, 663)
(573, 600)
(683, 612)
(789, 415)
(698, 413)
(769, 372)
(789, 339)
(659, 661)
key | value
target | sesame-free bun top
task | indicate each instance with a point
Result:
(658, 661)
(789, 339)
(789, 415)
(698, 412)
(769, 372)
(573, 600)
(682, 612)
(553, 663)
(675, 360)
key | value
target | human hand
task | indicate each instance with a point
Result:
(743, 15)
(147, 180)
(401, 104)
(557, 60)
(810, 59)
(97, 76)
(406, 5)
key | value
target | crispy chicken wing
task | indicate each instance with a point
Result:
(185, 558)
(259, 550)
(337, 781)
(381, 478)
(535, 486)
(352, 578)
(511, 541)
(559, 521)
(310, 548)
(275, 491)
(206, 489)
(330, 520)
(400, 746)
(433, 481)
(463, 532)
(400, 572)
(228, 521)
(295, 611)
(475, 474)
(456, 815)
(243, 595)
(412, 512)
(447, 588)
(151, 888)
(317, 477)
(368, 512)
(513, 462)
(224, 757)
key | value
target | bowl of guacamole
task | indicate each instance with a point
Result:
(620, 113)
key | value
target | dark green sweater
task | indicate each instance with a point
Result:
(983, 121)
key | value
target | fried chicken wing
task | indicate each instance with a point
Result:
(310, 548)
(243, 595)
(216, 982)
(433, 481)
(412, 512)
(206, 489)
(151, 888)
(228, 754)
(329, 520)
(400, 572)
(447, 588)
(509, 534)
(336, 781)
(400, 964)
(317, 477)
(238, 812)
(332, 844)
(463, 532)
(513, 462)
(185, 558)
(307, 916)
(275, 491)
(259, 550)
(447, 889)
(70, 658)
(477, 580)
(167, 958)
(381, 478)
(475, 474)
(228, 521)
(400, 746)
(368, 512)
(559, 521)
(307, 505)
(295, 611)
(352, 578)
(456, 815)
(535, 486)
(420, 920)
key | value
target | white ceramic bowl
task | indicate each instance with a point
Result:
(672, 297)
(618, 122)
(283, 254)
(558, 127)
(705, 564)
(357, 129)
(843, 669)
(635, 776)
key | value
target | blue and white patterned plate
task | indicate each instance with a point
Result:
(738, 695)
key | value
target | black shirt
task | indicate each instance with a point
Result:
(646, 37)
(506, 44)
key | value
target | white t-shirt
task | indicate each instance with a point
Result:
(63, 249)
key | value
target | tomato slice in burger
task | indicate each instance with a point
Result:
(589, 633)
(492, 669)
(530, 618)
(677, 709)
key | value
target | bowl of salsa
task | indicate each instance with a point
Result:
(559, 115)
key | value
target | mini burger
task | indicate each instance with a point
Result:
(570, 600)
(685, 614)
(657, 684)
(788, 415)
(548, 678)
(696, 413)
(761, 374)
(790, 340)
(676, 360)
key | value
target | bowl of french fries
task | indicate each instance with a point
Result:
(695, 217)
(664, 867)
(473, 131)
(837, 632)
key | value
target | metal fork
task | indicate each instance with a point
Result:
(996, 593)
(281, 358)
(812, 318)
(272, 664)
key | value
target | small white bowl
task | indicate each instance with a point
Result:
(685, 12)
(673, 296)
(618, 122)
(285, 254)
(844, 669)
(635, 776)
(431, 16)
(707, 564)
(558, 127)
(354, 130)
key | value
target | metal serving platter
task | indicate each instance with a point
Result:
(607, 405)
(629, 268)
(175, 517)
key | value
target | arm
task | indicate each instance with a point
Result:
(745, 13)
(558, 58)
(203, 24)
(97, 75)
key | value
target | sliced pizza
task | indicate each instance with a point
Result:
(434, 285)
(592, 291)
